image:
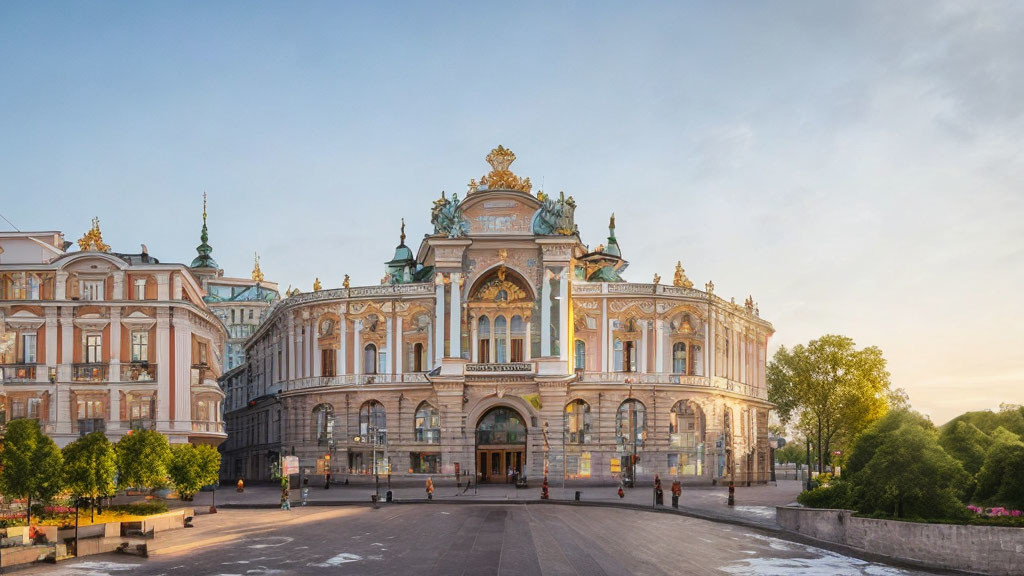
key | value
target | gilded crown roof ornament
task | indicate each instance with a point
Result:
(316, 284)
(93, 239)
(680, 278)
(257, 274)
(500, 177)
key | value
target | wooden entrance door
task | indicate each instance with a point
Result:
(499, 466)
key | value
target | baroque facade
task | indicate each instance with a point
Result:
(98, 340)
(504, 348)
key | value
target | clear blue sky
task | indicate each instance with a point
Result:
(855, 166)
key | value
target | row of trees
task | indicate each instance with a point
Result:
(903, 466)
(34, 469)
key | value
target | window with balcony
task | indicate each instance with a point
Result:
(92, 290)
(624, 355)
(28, 348)
(370, 359)
(140, 346)
(93, 348)
(679, 358)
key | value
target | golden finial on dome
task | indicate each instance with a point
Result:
(257, 274)
(680, 278)
(500, 177)
(93, 239)
(316, 284)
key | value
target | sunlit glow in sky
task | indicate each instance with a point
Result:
(856, 167)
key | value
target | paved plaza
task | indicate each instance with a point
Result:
(446, 539)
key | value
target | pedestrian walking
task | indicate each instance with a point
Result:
(327, 481)
(622, 493)
(430, 488)
(677, 491)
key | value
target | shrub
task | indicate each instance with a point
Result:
(141, 508)
(835, 495)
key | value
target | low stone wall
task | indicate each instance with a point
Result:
(982, 549)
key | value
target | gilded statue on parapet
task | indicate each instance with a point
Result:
(680, 278)
(447, 217)
(657, 279)
(710, 287)
(345, 283)
(555, 216)
(316, 284)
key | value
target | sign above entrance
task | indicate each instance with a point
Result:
(504, 368)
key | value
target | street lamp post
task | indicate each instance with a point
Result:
(808, 463)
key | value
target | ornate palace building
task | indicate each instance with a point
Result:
(99, 340)
(502, 347)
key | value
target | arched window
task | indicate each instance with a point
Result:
(581, 355)
(500, 340)
(679, 358)
(501, 426)
(370, 359)
(484, 335)
(631, 423)
(577, 422)
(686, 440)
(372, 422)
(428, 424)
(417, 357)
(323, 424)
(518, 331)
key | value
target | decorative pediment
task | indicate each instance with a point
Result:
(138, 321)
(500, 288)
(24, 320)
(91, 322)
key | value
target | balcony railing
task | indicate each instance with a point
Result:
(668, 378)
(138, 372)
(89, 425)
(89, 372)
(354, 380)
(17, 373)
(211, 427)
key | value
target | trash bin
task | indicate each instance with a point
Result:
(387, 497)
(577, 495)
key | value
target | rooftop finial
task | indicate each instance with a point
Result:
(611, 223)
(257, 274)
(93, 239)
(204, 260)
(680, 278)
(204, 207)
(402, 237)
(500, 177)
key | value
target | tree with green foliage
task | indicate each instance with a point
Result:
(142, 459)
(30, 463)
(791, 453)
(965, 442)
(897, 468)
(193, 467)
(1001, 477)
(90, 467)
(831, 391)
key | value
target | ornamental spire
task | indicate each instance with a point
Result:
(93, 239)
(613, 243)
(402, 237)
(257, 274)
(204, 260)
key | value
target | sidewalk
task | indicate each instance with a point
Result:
(754, 505)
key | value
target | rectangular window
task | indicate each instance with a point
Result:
(140, 288)
(517, 349)
(92, 290)
(33, 288)
(202, 354)
(251, 313)
(28, 348)
(140, 346)
(424, 463)
(93, 348)
(327, 362)
(34, 405)
(90, 409)
(17, 408)
(484, 354)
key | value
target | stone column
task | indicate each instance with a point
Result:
(399, 347)
(115, 345)
(182, 417)
(438, 319)
(176, 292)
(118, 290)
(474, 344)
(163, 367)
(389, 346)
(710, 338)
(563, 315)
(60, 286)
(357, 352)
(545, 314)
(291, 347)
(643, 347)
(51, 337)
(343, 344)
(527, 343)
(659, 345)
(456, 317)
(606, 344)
(163, 290)
(317, 369)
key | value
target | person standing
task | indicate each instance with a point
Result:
(659, 495)
(430, 488)
(677, 491)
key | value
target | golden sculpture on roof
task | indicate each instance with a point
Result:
(657, 279)
(680, 278)
(345, 283)
(93, 239)
(500, 177)
(316, 284)
(257, 274)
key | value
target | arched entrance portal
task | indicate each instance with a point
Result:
(500, 446)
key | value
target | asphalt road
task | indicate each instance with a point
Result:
(514, 540)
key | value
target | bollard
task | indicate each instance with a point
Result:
(577, 495)
(732, 494)
(387, 497)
